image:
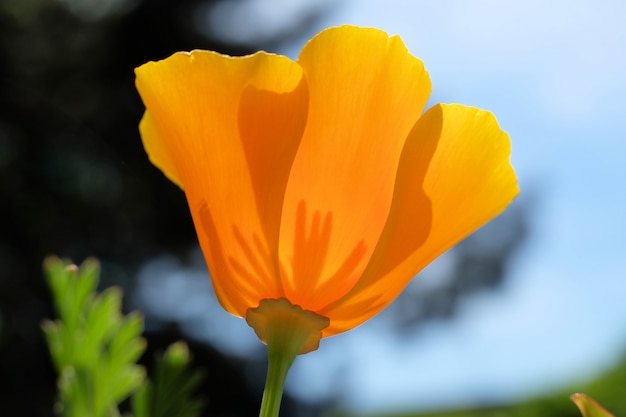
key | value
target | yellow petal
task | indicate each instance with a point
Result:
(366, 92)
(453, 177)
(227, 130)
(157, 149)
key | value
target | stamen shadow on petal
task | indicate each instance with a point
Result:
(227, 288)
(270, 129)
(259, 269)
(311, 247)
(310, 283)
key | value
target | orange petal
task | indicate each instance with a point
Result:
(366, 93)
(454, 176)
(227, 130)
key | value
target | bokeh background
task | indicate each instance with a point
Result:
(518, 316)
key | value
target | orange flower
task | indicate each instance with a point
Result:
(320, 182)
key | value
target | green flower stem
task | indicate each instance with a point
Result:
(279, 363)
(288, 331)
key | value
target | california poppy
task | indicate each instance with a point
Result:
(318, 187)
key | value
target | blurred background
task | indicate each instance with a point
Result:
(526, 311)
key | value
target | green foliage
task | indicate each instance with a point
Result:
(168, 395)
(95, 348)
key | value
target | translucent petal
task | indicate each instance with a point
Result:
(453, 177)
(227, 130)
(366, 93)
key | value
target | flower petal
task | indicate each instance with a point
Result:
(157, 150)
(227, 130)
(453, 177)
(366, 93)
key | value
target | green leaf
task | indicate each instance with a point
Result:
(58, 272)
(589, 407)
(55, 344)
(140, 401)
(169, 394)
(71, 286)
(127, 381)
(102, 316)
(127, 345)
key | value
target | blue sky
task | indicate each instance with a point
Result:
(553, 74)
